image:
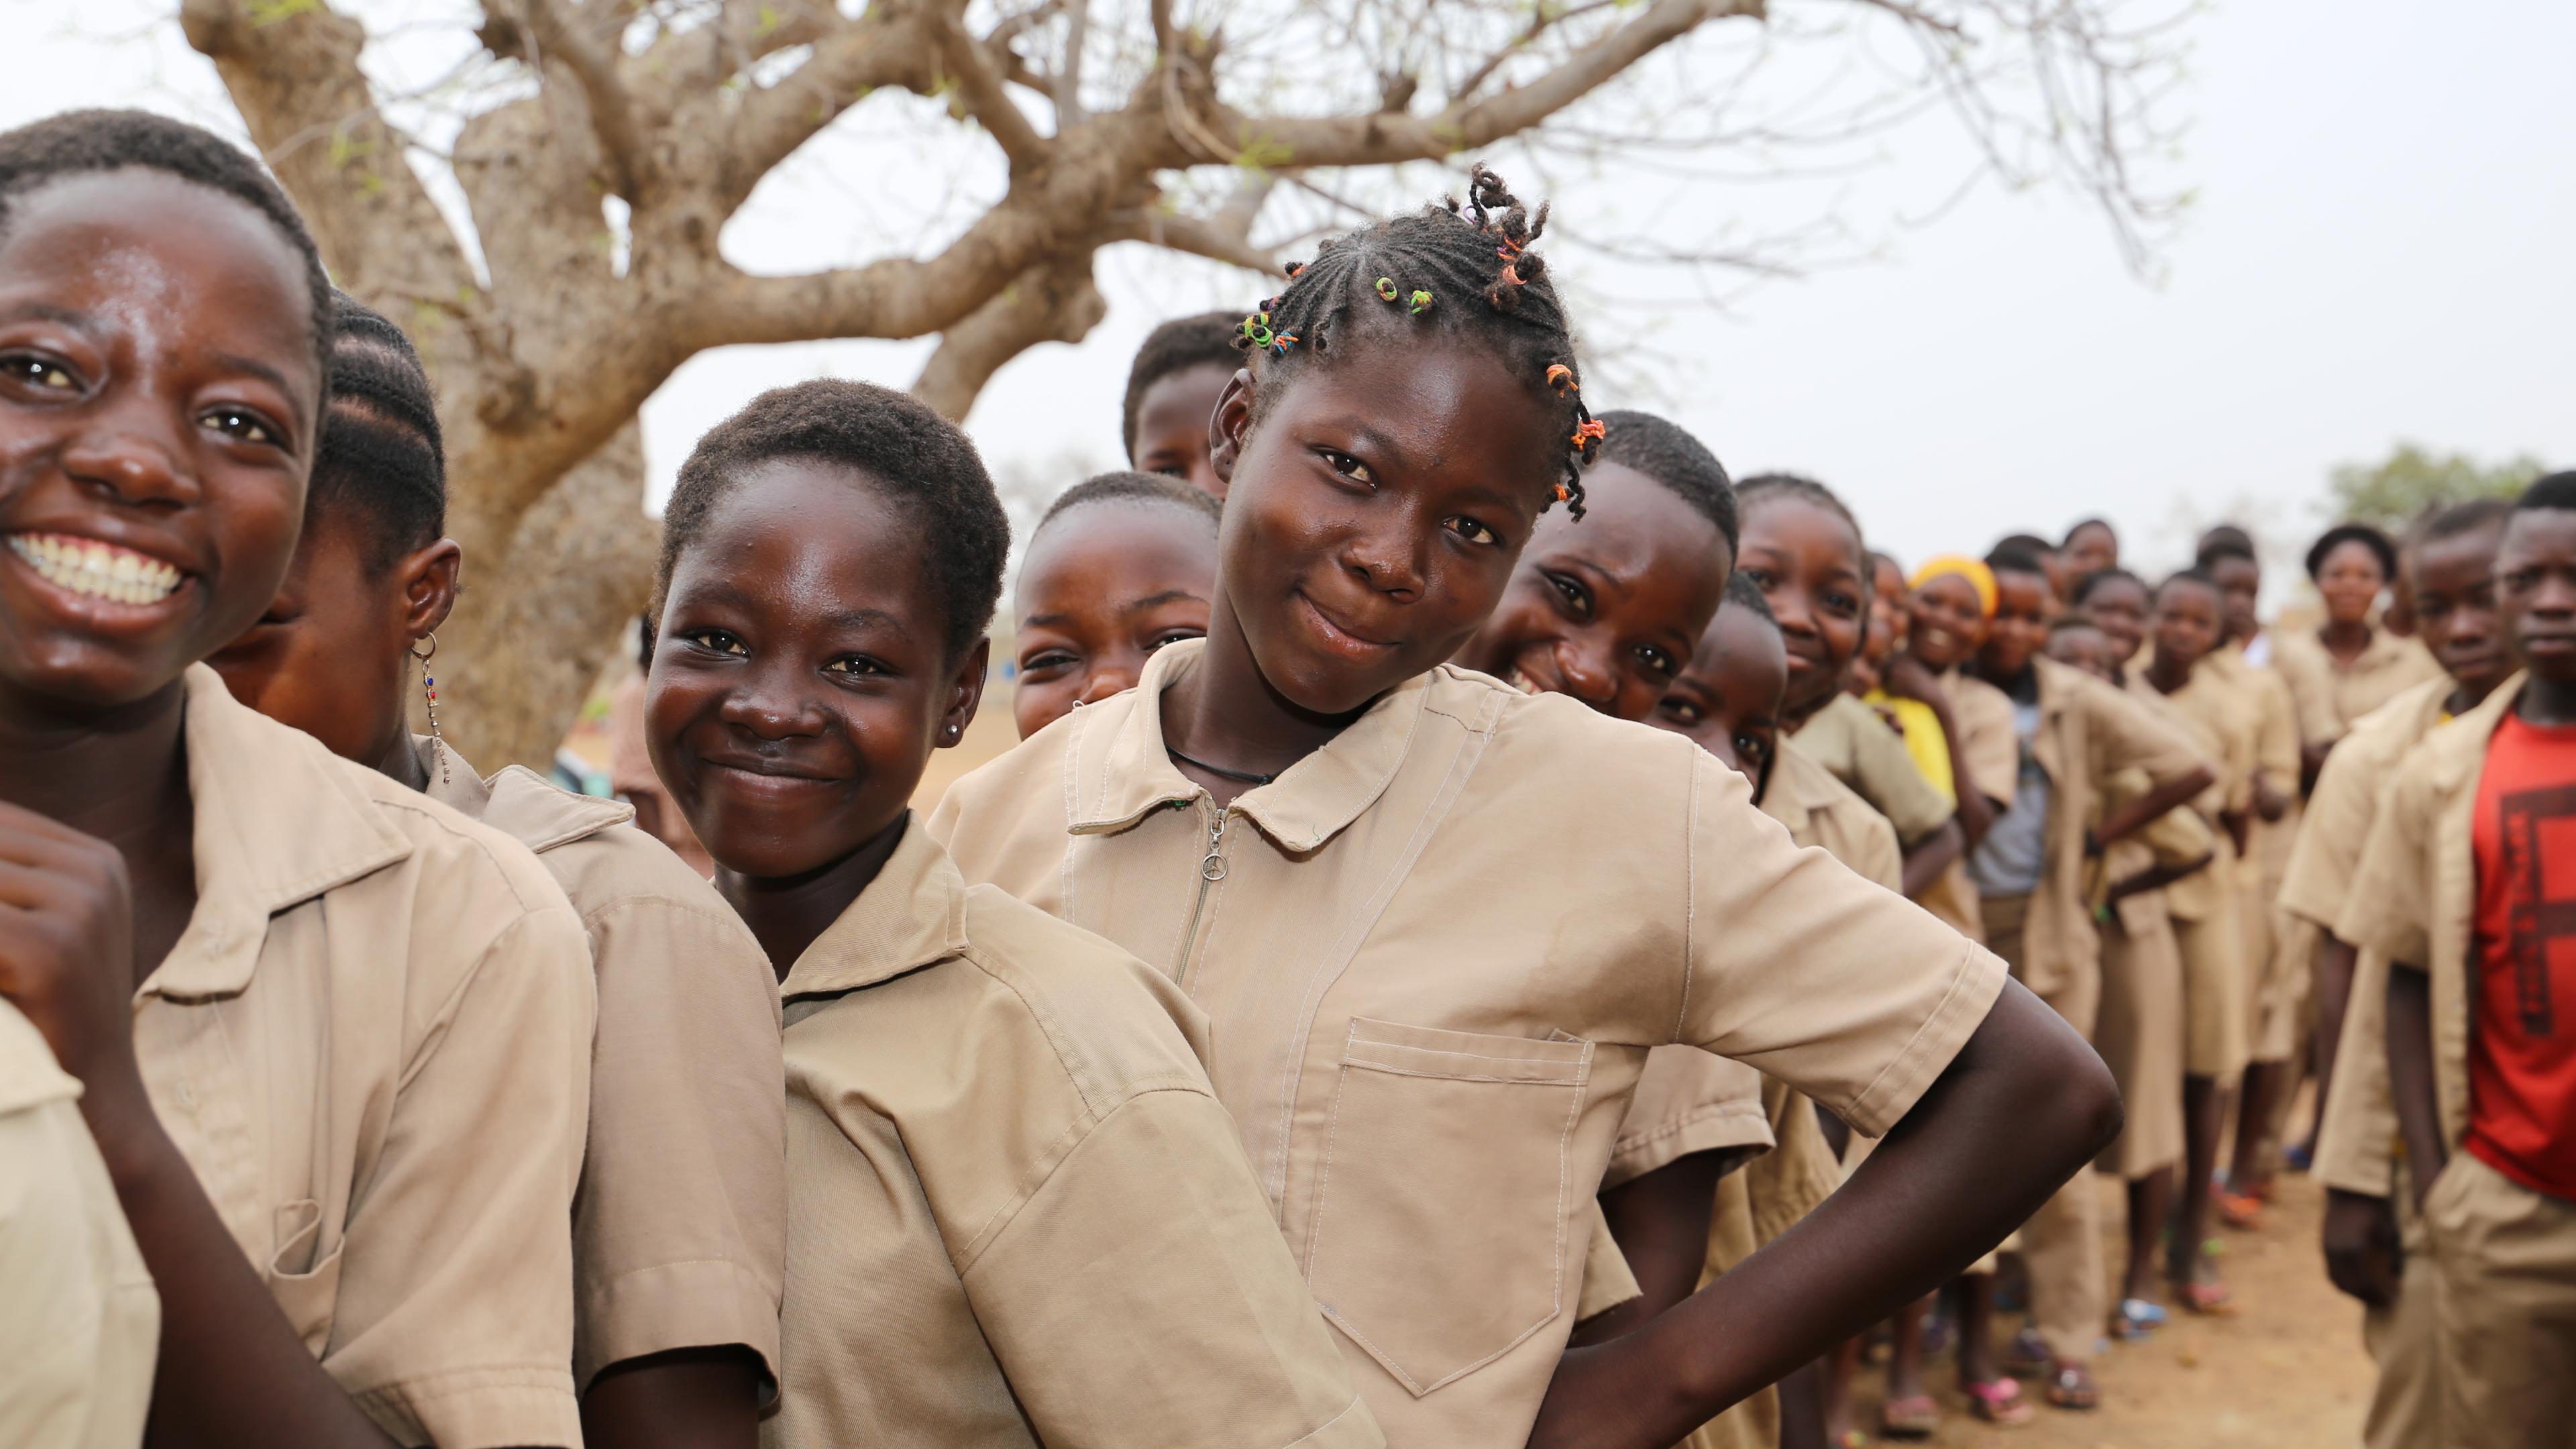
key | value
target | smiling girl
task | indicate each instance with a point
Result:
(1438, 923)
(1120, 566)
(333, 1038)
(1015, 1213)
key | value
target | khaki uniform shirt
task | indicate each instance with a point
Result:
(2218, 724)
(2276, 756)
(1435, 954)
(1849, 738)
(2330, 695)
(1016, 1216)
(372, 1043)
(2414, 899)
(2088, 732)
(680, 1225)
(1989, 742)
(80, 1324)
(1754, 1206)
(2358, 1138)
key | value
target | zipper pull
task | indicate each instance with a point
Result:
(1212, 865)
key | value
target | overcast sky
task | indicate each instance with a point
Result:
(2378, 250)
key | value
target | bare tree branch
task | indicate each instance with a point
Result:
(592, 58)
(747, 133)
(980, 90)
(1055, 301)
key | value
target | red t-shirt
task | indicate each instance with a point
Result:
(2522, 1047)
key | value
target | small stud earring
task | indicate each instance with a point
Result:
(949, 734)
(429, 693)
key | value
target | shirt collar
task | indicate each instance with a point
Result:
(2461, 745)
(1123, 771)
(912, 915)
(1787, 798)
(279, 820)
(517, 802)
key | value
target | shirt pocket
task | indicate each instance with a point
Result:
(308, 1295)
(1442, 1202)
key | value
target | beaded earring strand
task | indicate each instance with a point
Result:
(429, 693)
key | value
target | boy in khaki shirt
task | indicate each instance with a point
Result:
(2457, 878)
(2371, 1225)
(679, 1222)
(332, 1038)
(79, 1320)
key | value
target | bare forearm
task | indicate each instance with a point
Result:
(705, 1398)
(2024, 1105)
(2410, 1075)
(2167, 796)
(2157, 878)
(2336, 961)
(1932, 855)
(232, 1370)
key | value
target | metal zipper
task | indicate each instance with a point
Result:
(1212, 869)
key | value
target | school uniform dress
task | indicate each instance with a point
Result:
(2139, 1030)
(1854, 744)
(1436, 952)
(2206, 908)
(680, 1223)
(1016, 1215)
(2071, 739)
(2282, 955)
(2332, 694)
(2460, 878)
(2359, 1145)
(373, 1045)
(80, 1323)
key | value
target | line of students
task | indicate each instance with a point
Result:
(1309, 1025)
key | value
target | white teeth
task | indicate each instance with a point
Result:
(1523, 683)
(87, 566)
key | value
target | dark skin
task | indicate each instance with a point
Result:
(1173, 423)
(2535, 566)
(158, 393)
(2018, 631)
(1887, 618)
(2119, 608)
(1729, 698)
(1945, 624)
(1101, 589)
(2240, 586)
(2349, 579)
(2187, 630)
(2091, 548)
(2456, 608)
(331, 655)
(801, 677)
(1607, 609)
(329, 658)
(1374, 514)
(1811, 568)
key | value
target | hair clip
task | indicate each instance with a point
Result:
(1419, 303)
(1589, 431)
(1561, 378)
(1386, 289)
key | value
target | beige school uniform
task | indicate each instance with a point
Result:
(2358, 1144)
(1854, 743)
(1435, 954)
(680, 1224)
(1016, 1215)
(2088, 733)
(2332, 695)
(80, 1323)
(2279, 993)
(2140, 1028)
(2206, 908)
(2504, 1256)
(373, 1045)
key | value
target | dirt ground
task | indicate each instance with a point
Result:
(2287, 1373)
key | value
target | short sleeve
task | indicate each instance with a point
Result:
(1989, 744)
(2128, 735)
(2359, 1127)
(453, 1324)
(1686, 1101)
(1801, 969)
(2277, 743)
(1886, 777)
(2327, 854)
(2390, 906)
(1142, 1296)
(680, 1228)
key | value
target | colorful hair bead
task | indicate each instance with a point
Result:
(1386, 289)
(1563, 493)
(1282, 342)
(1419, 303)
(1591, 431)
(1560, 378)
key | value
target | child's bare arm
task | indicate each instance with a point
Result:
(1933, 854)
(2410, 1075)
(2023, 1106)
(1660, 1221)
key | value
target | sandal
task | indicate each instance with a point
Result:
(1998, 1402)
(2136, 1319)
(2241, 1211)
(1916, 1416)
(2208, 1298)
(2027, 1354)
(2071, 1386)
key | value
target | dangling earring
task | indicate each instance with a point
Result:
(429, 689)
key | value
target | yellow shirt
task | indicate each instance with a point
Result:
(372, 1043)
(80, 1324)
(1436, 953)
(1920, 728)
(1016, 1214)
(680, 1224)
(1849, 738)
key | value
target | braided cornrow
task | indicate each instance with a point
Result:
(1465, 268)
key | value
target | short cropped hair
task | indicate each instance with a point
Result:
(1667, 453)
(2360, 533)
(1205, 340)
(914, 455)
(1153, 490)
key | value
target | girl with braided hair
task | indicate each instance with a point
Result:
(1438, 923)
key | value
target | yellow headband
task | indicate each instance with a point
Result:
(1979, 577)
